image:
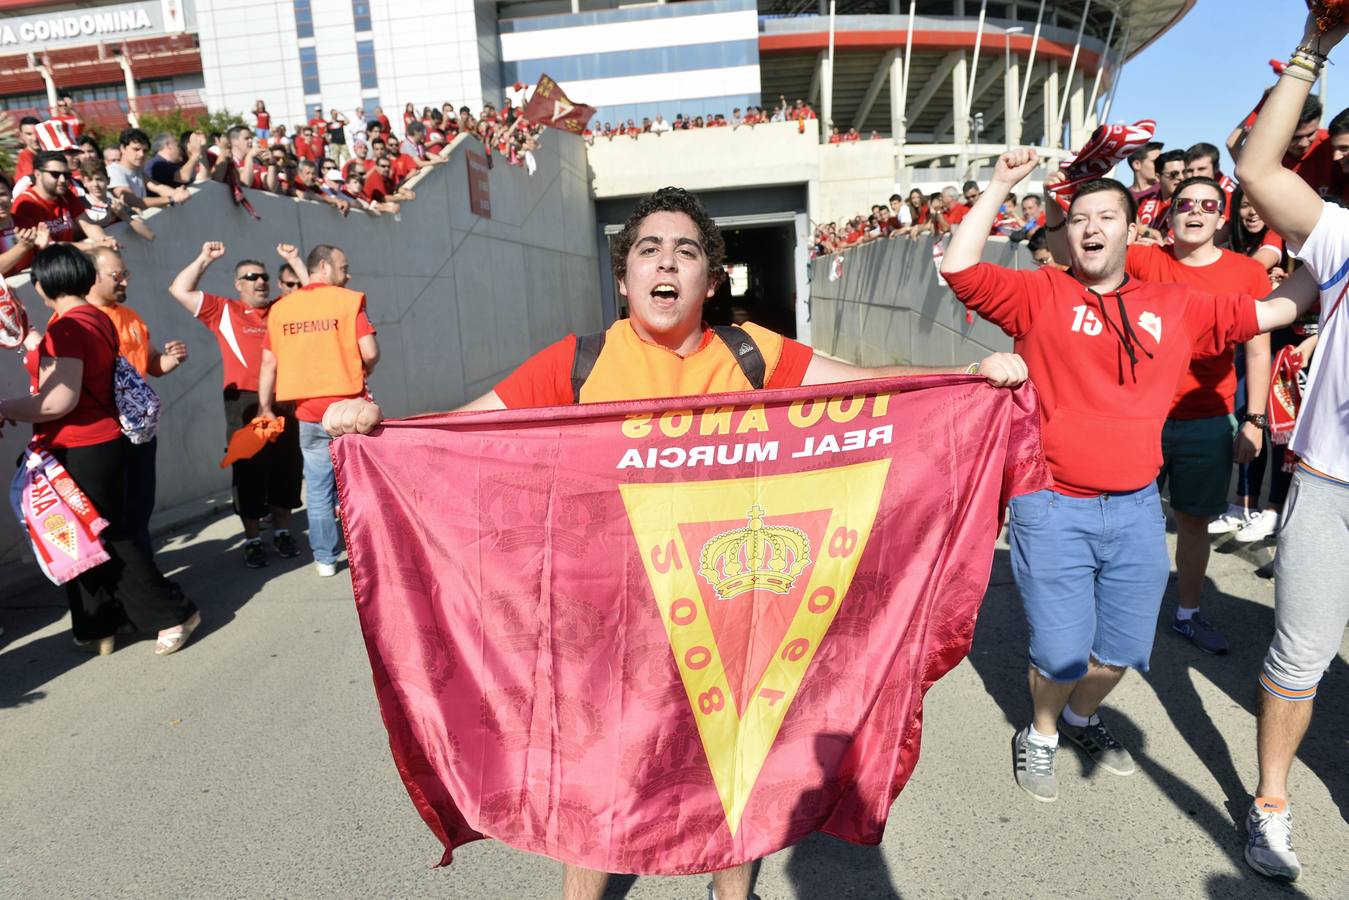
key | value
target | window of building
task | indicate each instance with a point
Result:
(360, 14)
(304, 19)
(365, 63)
(115, 91)
(309, 69)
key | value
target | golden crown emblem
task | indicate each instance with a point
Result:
(756, 557)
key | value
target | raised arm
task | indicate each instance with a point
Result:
(1283, 199)
(1287, 302)
(999, 369)
(967, 243)
(290, 255)
(184, 285)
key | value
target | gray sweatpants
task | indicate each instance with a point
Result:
(1311, 587)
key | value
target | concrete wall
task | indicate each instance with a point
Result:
(889, 308)
(458, 300)
(706, 159)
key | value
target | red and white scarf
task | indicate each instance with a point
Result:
(1108, 146)
(60, 520)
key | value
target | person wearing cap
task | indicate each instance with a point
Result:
(359, 162)
(308, 185)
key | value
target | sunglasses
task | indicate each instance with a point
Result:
(255, 276)
(290, 284)
(1186, 204)
(57, 175)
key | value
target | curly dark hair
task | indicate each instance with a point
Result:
(672, 199)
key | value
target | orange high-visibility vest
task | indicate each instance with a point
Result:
(312, 333)
(628, 368)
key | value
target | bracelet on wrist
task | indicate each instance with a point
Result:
(1299, 73)
(972, 369)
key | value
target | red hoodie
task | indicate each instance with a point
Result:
(1106, 382)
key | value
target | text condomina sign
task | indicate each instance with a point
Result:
(86, 26)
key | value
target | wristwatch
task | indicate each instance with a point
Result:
(1259, 420)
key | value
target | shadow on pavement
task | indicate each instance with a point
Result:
(210, 572)
(824, 866)
(999, 658)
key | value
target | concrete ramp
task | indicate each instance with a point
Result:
(458, 299)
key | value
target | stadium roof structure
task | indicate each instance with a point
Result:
(962, 78)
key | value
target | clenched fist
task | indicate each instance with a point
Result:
(351, 417)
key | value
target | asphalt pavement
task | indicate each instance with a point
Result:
(254, 764)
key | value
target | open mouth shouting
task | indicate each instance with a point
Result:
(665, 294)
(1092, 248)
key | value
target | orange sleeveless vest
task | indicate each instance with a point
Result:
(313, 335)
(628, 368)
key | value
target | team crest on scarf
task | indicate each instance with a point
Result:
(746, 605)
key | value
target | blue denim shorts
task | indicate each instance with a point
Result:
(1091, 572)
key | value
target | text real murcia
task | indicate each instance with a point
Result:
(748, 428)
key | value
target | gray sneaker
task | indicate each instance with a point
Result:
(1100, 745)
(1033, 765)
(1202, 634)
(1269, 843)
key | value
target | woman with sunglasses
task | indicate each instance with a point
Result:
(74, 414)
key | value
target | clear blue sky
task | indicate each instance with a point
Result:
(1204, 75)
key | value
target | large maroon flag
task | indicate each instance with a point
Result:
(671, 636)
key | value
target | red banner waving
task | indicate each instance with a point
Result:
(671, 636)
(549, 106)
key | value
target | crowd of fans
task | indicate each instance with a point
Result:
(67, 186)
(1319, 155)
(798, 111)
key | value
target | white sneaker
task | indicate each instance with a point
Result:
(1258, 527)
(1230, 521)
(326, 570)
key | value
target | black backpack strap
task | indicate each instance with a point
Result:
(588, 347)
(745, 351)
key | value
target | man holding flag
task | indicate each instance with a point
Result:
(669, 260)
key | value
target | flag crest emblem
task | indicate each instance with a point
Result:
(745, 625)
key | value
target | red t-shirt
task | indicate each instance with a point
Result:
(239, 329)
(1317, 166)
(374, 187)
(365, 164)
(311, 148)
(24, 164)
(1209, 386)
(312, 409)
(545, 378)
(1101, 414)
(59, 213)
(956, 213)
(264, 119)
(88, 335)
(403, 166)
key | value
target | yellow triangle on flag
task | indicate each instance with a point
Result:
(758, 562)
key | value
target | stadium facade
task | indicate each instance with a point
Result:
(931, 74)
